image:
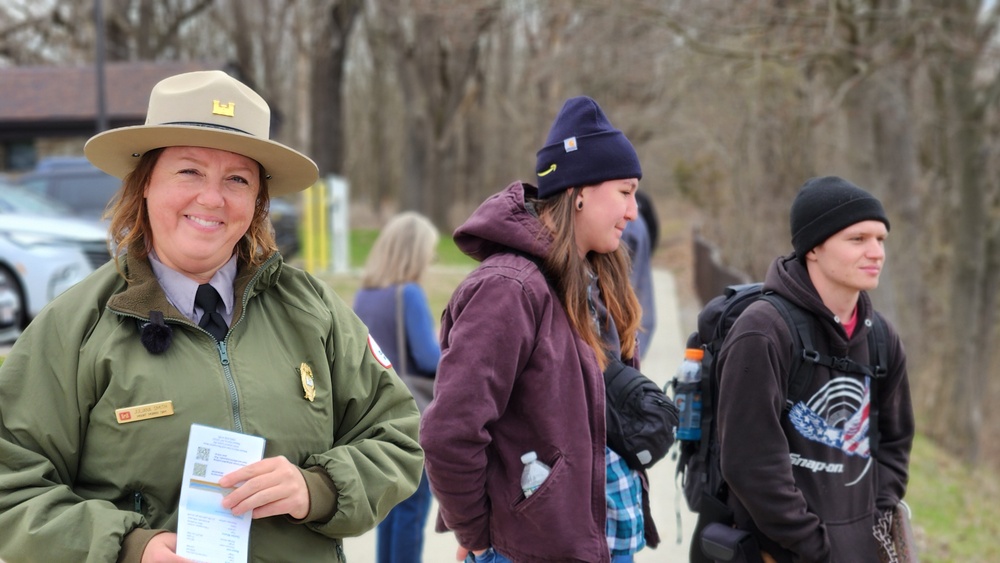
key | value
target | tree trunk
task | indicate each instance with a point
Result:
(327, 97)
(959, 405)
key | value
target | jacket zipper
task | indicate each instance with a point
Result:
(227, 372)
(137, 502)
(234, 399)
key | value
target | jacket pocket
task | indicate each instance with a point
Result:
(551, 482)
(852, 541)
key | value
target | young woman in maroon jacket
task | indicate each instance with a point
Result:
(523, 353)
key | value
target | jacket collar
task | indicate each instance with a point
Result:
(143, 293)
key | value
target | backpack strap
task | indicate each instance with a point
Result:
(878, 355)
(803, 366)
(878, 348)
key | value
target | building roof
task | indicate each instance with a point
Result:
(60, 98)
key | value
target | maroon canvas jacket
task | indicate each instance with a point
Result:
(514, 377)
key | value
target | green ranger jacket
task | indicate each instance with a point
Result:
(76, 481)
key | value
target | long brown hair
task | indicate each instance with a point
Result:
(131, 231)
(571, 275)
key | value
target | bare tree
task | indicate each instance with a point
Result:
(862, 66)
(434, 104)
(439, 57)
(36, 33)
(329, 57)
(964, 101)
(147, 29)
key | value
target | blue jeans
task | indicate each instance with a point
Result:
(400, 537)
(488, 556)
(492, 556)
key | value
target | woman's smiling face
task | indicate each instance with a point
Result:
(607, 208)
(200, 203)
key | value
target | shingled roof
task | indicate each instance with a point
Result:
(38, 101)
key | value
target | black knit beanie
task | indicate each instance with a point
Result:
(827, 205)
(583, 149)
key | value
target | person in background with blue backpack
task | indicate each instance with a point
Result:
(525, 339)
(811, 480)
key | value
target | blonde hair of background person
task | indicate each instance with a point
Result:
(404, 249)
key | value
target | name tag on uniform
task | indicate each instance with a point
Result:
(143, 412)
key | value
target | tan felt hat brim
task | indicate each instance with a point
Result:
(117, 152)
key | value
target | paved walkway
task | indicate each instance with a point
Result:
(660, 363)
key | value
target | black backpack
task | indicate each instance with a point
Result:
(698, 462)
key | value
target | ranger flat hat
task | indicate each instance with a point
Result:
(205, 109)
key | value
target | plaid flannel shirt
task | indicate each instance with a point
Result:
(625, 529)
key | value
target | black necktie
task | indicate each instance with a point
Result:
(211, 320)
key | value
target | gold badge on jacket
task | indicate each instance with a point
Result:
(308, 385)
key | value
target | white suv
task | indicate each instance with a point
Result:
(42, 252)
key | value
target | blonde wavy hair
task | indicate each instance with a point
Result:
(131, 231)
(571, 275)
(402, 252)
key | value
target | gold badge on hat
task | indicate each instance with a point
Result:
(308, 385)
(219, 108)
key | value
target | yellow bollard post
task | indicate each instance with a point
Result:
(322, 227)
(315, 232)
(306, 230)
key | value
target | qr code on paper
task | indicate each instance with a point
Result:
(203, 454)
(200, 469)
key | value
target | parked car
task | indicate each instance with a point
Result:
(9, 312)
(86, 191)
(285, 220)
(43, 251)
(74, 182)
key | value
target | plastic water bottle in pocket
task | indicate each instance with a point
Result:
(535, 473)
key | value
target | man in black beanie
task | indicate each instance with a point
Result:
(813, 475)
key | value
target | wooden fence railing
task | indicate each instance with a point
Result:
(711, 276)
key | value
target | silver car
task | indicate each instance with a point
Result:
(42, 252)
(9, 303)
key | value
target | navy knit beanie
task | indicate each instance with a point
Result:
(583, 149)
(827, 205)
